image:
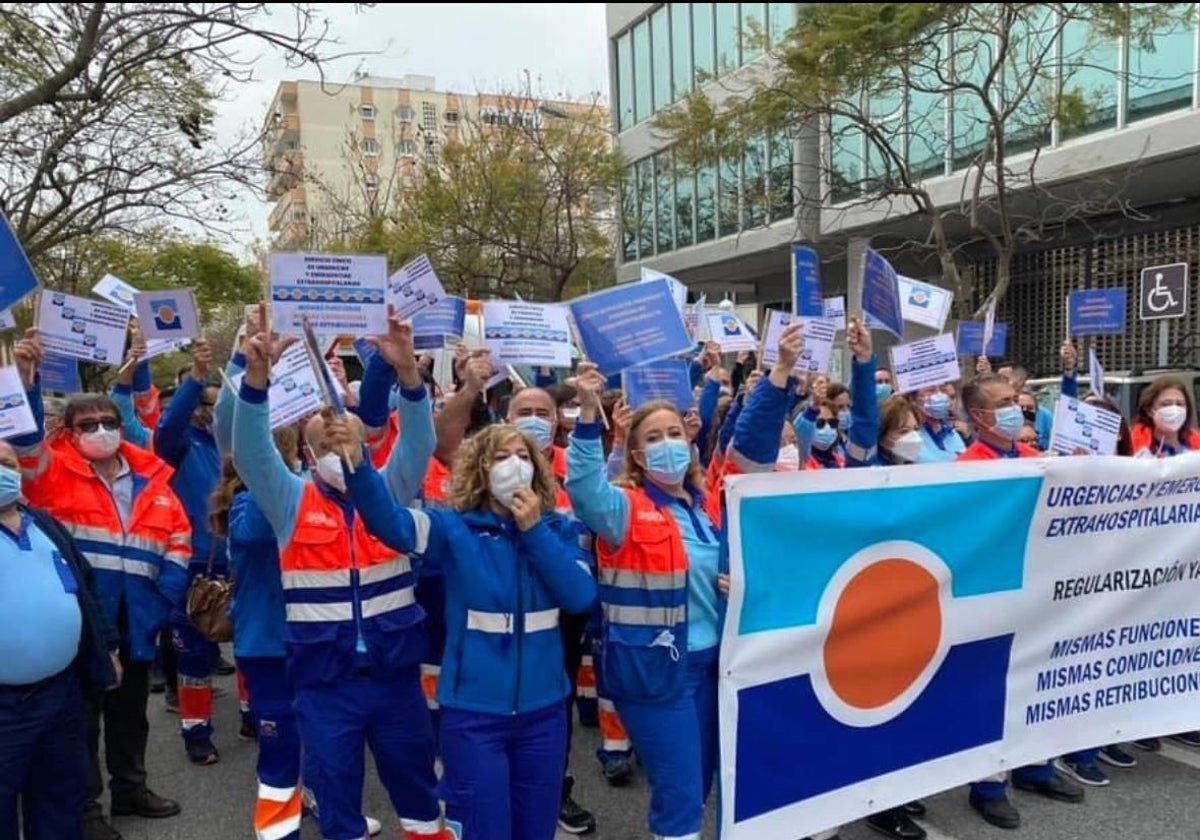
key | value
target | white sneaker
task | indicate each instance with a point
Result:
(374, 827)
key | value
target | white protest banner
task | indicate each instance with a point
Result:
(678, 290)
(519, 333)
(924, 363)
(339, 294)
(115, 290)
(924, 303)
(167, 314)
(1096, 370)
(817, 350)
(81, 328)
(729, 331)
(16, 418)
(414, 287)
(294, 391)
(1060, 614)
(835, 310)
(1080, 428)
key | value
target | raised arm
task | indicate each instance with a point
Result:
(226, 405)
(455, 417)
(863, 436)
(36, 458)
(170, 438)
(596, 503)
(755, 444)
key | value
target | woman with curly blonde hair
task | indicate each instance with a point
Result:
(511, 565)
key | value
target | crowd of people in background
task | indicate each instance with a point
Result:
(449, 575)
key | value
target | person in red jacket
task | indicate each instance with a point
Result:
(991, 402)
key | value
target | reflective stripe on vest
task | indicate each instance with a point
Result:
(490, 622)
(344, 610)
(630, 579)
(645, 616)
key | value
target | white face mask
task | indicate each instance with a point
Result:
(789, 458)
(329, 468)
(1170, 418)
(100, 444)
(907, 447)
(571, 413)
(507, 477)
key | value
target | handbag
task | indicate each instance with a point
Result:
(208, 605)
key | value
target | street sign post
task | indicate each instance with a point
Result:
(1164, 296)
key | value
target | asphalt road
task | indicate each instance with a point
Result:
(1158, 799)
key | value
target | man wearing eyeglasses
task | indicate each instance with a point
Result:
(115, 501)
(184, 439)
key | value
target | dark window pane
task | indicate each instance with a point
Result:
(706, 203)
(685, 212)
(645, 207)
(629, 215)
(727, 196)
(781, 202)
(664, 201)
(754, 198)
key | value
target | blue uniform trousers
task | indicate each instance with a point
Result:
(1031, 773)
(677, 744)
(503, 773)
(43, 758)
(337, 721)
(278, 770)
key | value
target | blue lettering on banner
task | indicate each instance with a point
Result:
(969, 340)
(962, 706)
(1097, 311)
(16, 274)
(807, 300)
(881, 293)
(666, 379)
(629, 325)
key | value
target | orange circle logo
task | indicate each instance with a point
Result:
(886, 628)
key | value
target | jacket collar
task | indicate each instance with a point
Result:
(143, 464)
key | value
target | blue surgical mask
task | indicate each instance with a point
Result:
(825, 437)
(882, 391)
(10, 486)
(845, 420)
(667, 461)
(538, 428)
(937, 406)
(1009, 422)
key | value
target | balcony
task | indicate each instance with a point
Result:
(284, 173)
(282, 135)
(289, 209)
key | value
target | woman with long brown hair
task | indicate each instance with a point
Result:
(512, 564)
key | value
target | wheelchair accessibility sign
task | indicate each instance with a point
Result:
(1164, 292)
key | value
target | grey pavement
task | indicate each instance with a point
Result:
(1160, 798)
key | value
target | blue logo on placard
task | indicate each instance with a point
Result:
(881, 594)
(166, 314)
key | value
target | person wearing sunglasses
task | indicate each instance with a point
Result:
(116, 501)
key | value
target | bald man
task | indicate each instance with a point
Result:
(355, 634)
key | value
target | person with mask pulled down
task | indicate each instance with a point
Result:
(512, 566)
(354, 633)
(184, 439)
(991, 403)
(115, 500)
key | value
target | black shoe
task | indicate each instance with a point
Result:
(247, 731)
(895, 823)
(202, 753)
(572, 818)
(618, 771)
(147, 804)
(998, 812)
(1114, 755)
(1189, 739)
(1148, 744)
(158, 683)
(171, 700)
(95, 827)
(1058, 787)
(222, 666)
(916, 808)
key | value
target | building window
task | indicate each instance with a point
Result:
(706, 203)
(781, 17)
(703, 51)
(366, 111)
(664, 202)
(406, 148)
(1089, 70)
(451, 117)
(371, 181)
(299, 215)
(428, 116)
(629, 215)
(754, 26)
(729, 37)
(431, 151)
(370, 146)
(625, 82)
(1160, 78)
(404, 114)
(754, 184)
(641, 71)
(781, 201)
(660, 34)
(728, 189)
(681, 51)
(685, 210)
(645, 187)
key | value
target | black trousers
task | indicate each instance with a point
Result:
(126, 731)
(571, 628)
